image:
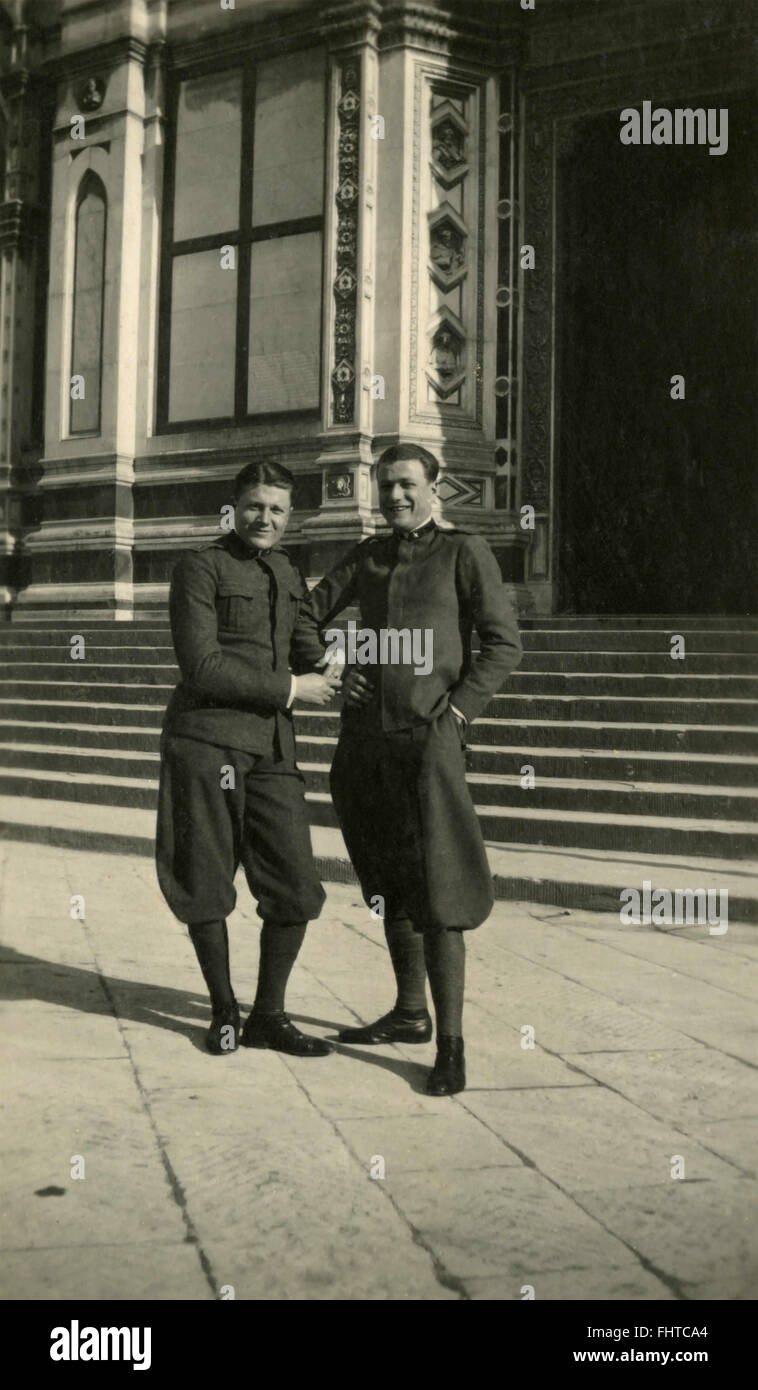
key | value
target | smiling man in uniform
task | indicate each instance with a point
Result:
(230, 790)
(398, 777)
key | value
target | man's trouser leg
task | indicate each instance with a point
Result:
(205, 827)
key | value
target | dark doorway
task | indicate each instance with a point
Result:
(658, 275)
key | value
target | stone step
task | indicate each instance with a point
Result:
(113, 663)
(638, 640)
(617, 737)
(126, 738)
(729, 839)
(728, 769)
(682, 800)
(571, 877)
(136, 752)
(676, 682)
(551, 791)
(544, 636)
(100, 712)
(116, 657)
(698, 768)
(63, 746)
(635, 663)
(619, 708)
(157, 619)
(100, 634)
(670, 622)
(109, 718)
(593, 830)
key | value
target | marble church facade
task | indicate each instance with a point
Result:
(300, 231)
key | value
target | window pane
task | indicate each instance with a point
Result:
(88, 310)
(203, 329)
(285, 324)
(206, 197)
(288, 165)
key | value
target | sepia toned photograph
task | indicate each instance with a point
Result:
(378, 739)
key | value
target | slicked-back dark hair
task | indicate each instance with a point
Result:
(403, 453)
(264, 471)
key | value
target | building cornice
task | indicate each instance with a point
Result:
(102, 55)
(446, 30)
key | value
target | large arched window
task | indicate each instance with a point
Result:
(87, 320)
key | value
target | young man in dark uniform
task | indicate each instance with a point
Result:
(230, 790)
(398, 776)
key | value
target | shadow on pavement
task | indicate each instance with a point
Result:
(73, 987)
(159, 1006)
(415, 1073)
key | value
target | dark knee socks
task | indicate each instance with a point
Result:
(445, 953)
(211, 943)
(406, 948)
(279, 947)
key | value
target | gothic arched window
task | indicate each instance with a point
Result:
(87, 319)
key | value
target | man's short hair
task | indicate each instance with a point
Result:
(400, 453)
(264, 472)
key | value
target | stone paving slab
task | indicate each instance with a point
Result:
(54, 1112)
(694, 1086)
(389, 1267)
(592, 1138)
(699, 1236)
(736, 1141)
(100, 1272)
(256, 1170)
(428, 1144)
(509, 1222)
(719, 961)
(626, 1281)
(47, 1033)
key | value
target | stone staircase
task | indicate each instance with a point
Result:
(644, 766)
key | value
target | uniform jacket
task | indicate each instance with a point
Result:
(238, 625)
(446, 580)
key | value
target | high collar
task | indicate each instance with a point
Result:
(241, 551)
(425, 529)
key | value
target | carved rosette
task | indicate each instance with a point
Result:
(346, 276)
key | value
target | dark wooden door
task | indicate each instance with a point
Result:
(657, 499)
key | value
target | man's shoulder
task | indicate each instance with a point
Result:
(204, 554)
(464, 538)
(287, 567)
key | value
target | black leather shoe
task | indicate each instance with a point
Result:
(391, 1027)
(448, 1075)
(223, 1034)
(278, 1032)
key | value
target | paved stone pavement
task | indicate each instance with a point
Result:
(260, 1173)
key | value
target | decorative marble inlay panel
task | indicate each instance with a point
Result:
(462, 492)
(447, 310)
(444, 369)
(346, 277)
(447, 247)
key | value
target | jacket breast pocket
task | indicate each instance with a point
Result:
(238, 608)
